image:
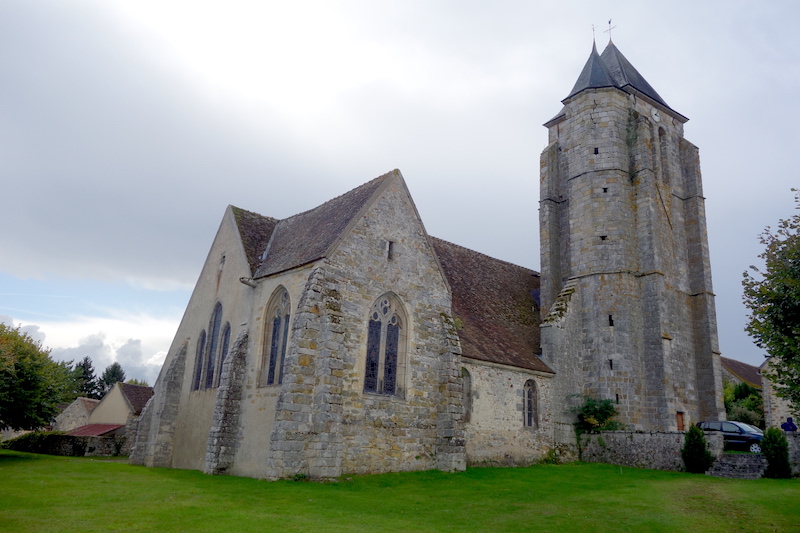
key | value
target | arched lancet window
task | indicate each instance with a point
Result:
(385, 346)
(276, 337)
(529, 405)
(466, 392)
(213, 344)
(226, 340)
(201, 348)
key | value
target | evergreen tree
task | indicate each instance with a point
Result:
(134, 381)
(696, 457)
(112, 374)
(86, 383)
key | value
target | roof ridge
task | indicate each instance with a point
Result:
(335, 198)
(485, 255)
(254, 213)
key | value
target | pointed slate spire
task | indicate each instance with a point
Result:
(624, 74)
(594, 74)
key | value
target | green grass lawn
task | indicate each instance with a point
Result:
(48, 493)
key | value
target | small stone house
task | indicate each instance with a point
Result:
(115, 411)
(75, 414)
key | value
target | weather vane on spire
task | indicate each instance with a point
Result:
(608, 31)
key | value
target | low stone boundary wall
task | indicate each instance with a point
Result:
(69, 445)
(659, 450)
(793, 437)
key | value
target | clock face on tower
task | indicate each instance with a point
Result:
(656, 116)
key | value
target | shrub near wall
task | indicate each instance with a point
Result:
(659, 450)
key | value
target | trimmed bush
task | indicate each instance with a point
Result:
(775, 448)
(696, 457)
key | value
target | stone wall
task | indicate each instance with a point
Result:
(658, 450)
(495, 433)
(626, 282)
(776, 409)
(72, 446)
(793, 437)
(326, 424)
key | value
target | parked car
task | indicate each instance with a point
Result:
(736, 434)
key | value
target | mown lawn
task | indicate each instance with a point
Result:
(48, 493)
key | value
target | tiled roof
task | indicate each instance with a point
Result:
(94, 430)
(89, 403)
(308, 236)
(496, 306)
(137, 395)
(747, 373)
(255, 231)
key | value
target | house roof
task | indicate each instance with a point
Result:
(255, 231)
(612, 69)
(747, 373)
(94, 430)
(89, 403)
(308, 236)
(137, 395)
(495, 302)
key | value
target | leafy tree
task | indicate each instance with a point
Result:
(775, 448)
(773, 297)
(696, 457)
(743, 403)
(31, 383)
(134, 381)
(112, 374)
(86, 383)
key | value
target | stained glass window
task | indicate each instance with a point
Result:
(385, 343)
(276, 338)
(529, 406)
(216, 323)
(201, 347)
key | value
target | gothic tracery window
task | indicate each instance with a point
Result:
(385, 346)
(198, 372)
(276, 335)
(466, 393)
(213, 344)
(529, 405)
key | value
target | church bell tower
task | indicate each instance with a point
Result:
(626, 295)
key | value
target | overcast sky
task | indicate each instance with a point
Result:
(127, 127)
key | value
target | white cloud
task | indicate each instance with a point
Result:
(137, 342)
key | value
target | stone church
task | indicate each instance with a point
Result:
(345, 339)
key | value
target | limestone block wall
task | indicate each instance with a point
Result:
(793, 438)
(622, 222)
(326, 424)
(659, 450)
(75, 415)
(495, 433)
(776, 409)
(258, 401)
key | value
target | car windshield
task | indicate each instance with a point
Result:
(747, 428)
(754, 428)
